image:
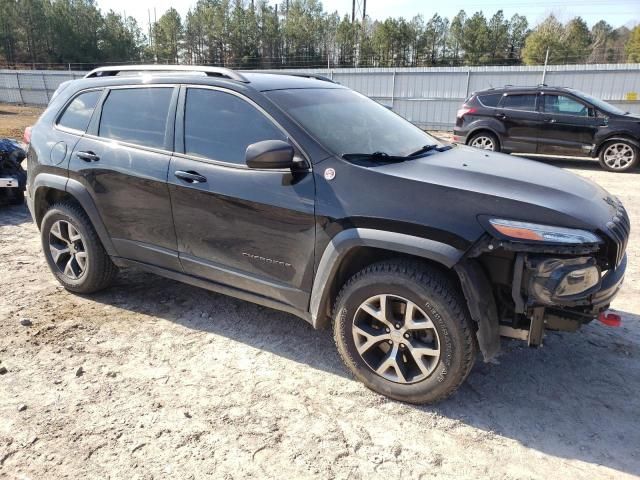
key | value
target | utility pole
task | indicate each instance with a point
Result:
(544, 70)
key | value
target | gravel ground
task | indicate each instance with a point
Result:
(155, 379)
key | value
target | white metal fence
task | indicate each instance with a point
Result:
(429, 97)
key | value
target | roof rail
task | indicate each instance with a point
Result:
(112, 71)
(317, 76)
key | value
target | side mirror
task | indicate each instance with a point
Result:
(270, 154)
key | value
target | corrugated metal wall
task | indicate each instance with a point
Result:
(32, 87)
(428, 97)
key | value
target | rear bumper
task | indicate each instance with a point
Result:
(457, 138)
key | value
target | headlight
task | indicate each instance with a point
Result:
(542, 233)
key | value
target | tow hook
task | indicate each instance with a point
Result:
(610, 319)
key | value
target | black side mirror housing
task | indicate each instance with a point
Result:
(269, 154)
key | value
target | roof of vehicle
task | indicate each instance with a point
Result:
(181, 74)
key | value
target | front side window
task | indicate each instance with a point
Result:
(562, 105)
(78, 114)
(220, 126)
(136, 115)
(344, 121)
(526, 102)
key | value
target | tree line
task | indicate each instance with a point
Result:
(297, 33)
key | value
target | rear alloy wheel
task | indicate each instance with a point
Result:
(485, 141)
(68, 253)
(73, 250)
(403, 329)
(618, 156)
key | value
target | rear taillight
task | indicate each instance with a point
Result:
(27, 136)
(465, 111)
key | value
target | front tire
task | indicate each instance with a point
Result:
(619, 156)
(403, 330)
(73, 250)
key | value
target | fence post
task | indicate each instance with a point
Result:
(19, 88)
(46, 89)
(468, 83)
(393, 88)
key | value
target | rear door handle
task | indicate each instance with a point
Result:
(190, 177)
(550, 120)
(88, 156)
(501, 116)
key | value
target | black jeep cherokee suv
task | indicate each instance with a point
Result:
(302, 195)
(550, 120)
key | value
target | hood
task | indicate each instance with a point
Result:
(511, 187)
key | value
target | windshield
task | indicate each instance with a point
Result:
(600, 104)
(344, 121)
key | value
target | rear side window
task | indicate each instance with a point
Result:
(520, 102)
(136, 115)
(490, 100)
(221, 126)
(78, 113)
(562, 105)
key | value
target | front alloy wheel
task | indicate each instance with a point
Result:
(403, 329)
(396, 339)
(618, 156)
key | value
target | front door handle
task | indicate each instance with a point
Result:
(550, 120)
(87, 156)
(190, 177)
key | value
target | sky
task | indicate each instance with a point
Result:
(616, 12)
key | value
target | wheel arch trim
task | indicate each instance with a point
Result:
(81, 195)
(340, 245)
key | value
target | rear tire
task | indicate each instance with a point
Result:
(619, 156)
(485, 141)
(73, 250)
(417, 357)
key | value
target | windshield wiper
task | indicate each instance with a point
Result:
(375, 156)
(396, 158)
(428, 148)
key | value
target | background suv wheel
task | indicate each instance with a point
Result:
(73, 250)
(404, 331)
(618, 156)
(485, 141)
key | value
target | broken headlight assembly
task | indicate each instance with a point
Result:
(533, 232)
(554, 281)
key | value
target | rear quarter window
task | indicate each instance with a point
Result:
(490, 99)
(526, 102)
(78, 113)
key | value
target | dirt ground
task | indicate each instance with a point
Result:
(156, 379)
(14, 119)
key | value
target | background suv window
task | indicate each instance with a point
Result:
(562, 105)
(490, 100)
(79, 111)
(520, 102)
(221, 126)
(136, 115)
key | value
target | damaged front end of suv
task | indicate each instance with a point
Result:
(527, 278)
